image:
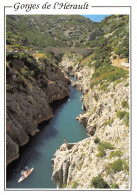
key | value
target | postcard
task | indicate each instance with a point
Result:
(68, 74)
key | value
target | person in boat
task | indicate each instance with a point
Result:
(27, 170)
(23, 173)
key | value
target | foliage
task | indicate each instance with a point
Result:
(121, 114)
(122, 50)
(109, 122)
(75, 184)
(126, 85)
(118, 42)
(98, 182)
(127, 118)
(105, 146)
(104, 87)
(125, 166)
(50, 59)
(117, 153)
(101, 154)
(64, 186)
(25, 72)
(117, 166)
(108, 73)
(102, 147)
(28, 60)
(96, 140)
(48, 30)
(114, 185)
(125, 104)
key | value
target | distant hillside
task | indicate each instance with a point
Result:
(114, 37)
(48, 30)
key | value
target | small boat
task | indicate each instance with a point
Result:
(25, 174)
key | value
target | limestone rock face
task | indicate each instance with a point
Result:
(76, 167)
(28, 103)
(106, 151)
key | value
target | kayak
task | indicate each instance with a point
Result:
(25, 175)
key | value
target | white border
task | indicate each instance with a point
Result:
(94, 10)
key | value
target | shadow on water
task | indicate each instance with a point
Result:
(29, 152)
(41, 147)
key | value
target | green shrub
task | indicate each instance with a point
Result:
(114, 185)
(126, 85)
(102, 146)
(24, 72)
(127, 118)
(117, 166)
(104, 87)
(98, 182)
(121, 114)
(105, 146)
(101, 154)
(75, 184)
(108, 73)
(109, 122)
(125, 166)
(119, 50)
(96, 140)
(117, 153)
(112, 95)
(125, 104)
(64, 186)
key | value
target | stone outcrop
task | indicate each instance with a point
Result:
(87, 158)
(28, 101)
(76, 167)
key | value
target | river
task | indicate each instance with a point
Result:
(41, 148)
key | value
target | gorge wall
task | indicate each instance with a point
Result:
(31, 86)
(104, 156)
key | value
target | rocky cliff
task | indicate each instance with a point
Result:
(30, 88)
(102, 160)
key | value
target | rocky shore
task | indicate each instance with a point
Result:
(105, 154)
(28, 99)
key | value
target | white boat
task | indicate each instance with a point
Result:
(25, 174)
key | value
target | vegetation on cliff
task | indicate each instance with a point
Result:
(102, 160)
(31, 85)
(48, 30)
